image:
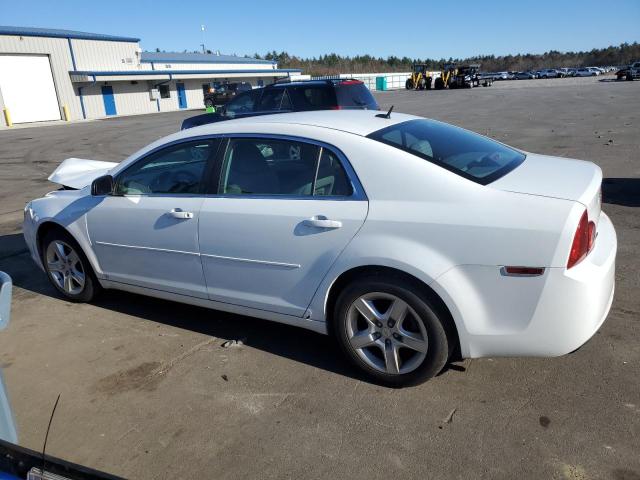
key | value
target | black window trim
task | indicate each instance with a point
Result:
(480, 180)
(213, 169)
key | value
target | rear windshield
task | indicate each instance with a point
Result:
(469, 155)
(355, 95)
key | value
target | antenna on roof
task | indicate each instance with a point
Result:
(385, 115)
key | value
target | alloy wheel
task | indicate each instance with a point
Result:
(65, 267)
(386, 333)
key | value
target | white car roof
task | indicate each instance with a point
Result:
(358, 122)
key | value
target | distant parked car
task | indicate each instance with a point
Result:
(220, 95)
(524, 75)
(585, 72)
(550, 73)
(503, 76)
(621, 74)
(595, 70)
(633, 72)
(292, 97)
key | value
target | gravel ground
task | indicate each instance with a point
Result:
(149, 391)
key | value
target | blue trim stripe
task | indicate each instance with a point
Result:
(84, 113)
(73, 57)
(116, 73)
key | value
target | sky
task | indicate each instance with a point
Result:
(413, 28)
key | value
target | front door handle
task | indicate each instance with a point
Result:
(179, 213)
(320, 221)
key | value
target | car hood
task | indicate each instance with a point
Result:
(79, 172)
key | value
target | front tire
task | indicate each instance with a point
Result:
(391, 331)
(67, 267)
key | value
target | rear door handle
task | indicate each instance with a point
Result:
(320, 221)
(179, 213)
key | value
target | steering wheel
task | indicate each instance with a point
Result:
(182, 180)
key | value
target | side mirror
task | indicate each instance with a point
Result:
(102, 186)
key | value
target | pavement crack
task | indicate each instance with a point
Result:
(165, 367)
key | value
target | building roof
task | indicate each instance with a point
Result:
(174, 57)
(56, 33)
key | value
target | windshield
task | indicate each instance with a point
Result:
(469, 155)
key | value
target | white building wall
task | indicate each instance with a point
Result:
(130, 98)
(60, 58)
(102, 55)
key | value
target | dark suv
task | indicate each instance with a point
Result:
(292, 97)
(223, 93)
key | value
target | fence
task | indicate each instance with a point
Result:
(392, 81)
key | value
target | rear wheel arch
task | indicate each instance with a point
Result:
(385, 272)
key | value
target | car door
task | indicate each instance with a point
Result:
(146, 232)
(283, 212)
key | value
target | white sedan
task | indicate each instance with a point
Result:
(411, 241)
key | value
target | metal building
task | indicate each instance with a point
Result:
(48, 74)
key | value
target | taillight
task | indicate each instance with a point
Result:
(336, 107)
(592, 235)
(583, 240)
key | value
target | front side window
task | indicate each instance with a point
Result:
(465, 153)
(265, 166)
(177, 169)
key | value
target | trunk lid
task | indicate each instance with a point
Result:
(556, 177)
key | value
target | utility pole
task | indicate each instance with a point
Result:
(202, 29)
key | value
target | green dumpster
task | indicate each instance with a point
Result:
(381, 83)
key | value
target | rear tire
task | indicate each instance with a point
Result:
(67, 267)
(439, 83)
(391, 331)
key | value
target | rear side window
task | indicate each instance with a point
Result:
(316, 97)
(272, 100)
(331, 179)
(267, 166)
(469, 155)
(355, 95)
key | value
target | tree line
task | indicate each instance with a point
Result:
(333, 63)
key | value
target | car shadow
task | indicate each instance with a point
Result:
(621, 191)
(297, 344)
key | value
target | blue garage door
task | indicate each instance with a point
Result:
(109, 101)
(182, 97)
